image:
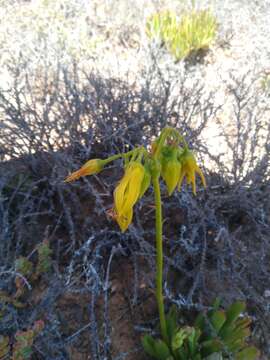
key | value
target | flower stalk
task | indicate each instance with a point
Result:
(170, 159)
(159, 259)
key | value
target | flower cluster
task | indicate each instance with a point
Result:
(178, 164)
(175, 163)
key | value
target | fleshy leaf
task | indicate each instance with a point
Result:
(250, 353)
(217, 319)
(148, 343)
(193, 340)
(178, 339)
(234, 311)
(211, 346)
(171, 322)
(162, 351)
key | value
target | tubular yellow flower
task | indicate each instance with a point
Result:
(91, 167)
(189, 169)
(170, 167)
(124, 220)
(170, 174)
(127, 193)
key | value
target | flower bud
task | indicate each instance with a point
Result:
(93, 166)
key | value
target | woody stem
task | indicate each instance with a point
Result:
(159, 258)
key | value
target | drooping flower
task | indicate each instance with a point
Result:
(93, 166)
(124, 219)
(189, 170)
(170, 174)
(127, 193)
(171, 168)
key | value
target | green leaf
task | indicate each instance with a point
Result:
(148, 343)
(234, 311)
(193, 341)
(162, 351)
(178, 339)
(216, 304)
(231, 316)
(235, 344)
(171, 322)
(217, 319)
(226, 332)
(250, 353)
(236, 334)
(200, 321)
(211, 346)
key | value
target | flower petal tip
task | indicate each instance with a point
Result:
(73, 176)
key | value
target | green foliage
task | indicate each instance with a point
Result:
(161, 26)
(217, 335)
(196, 30)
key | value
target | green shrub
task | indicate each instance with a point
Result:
(161, 26)
(195, 31)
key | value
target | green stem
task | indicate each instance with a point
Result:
(159, 258)
(142, 151)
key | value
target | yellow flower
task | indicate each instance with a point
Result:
(91, 167)
(170, 173)
(127, 193)
(124, 220)
(189, 170)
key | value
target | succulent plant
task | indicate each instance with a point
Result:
(216, 335)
